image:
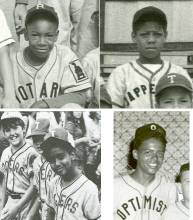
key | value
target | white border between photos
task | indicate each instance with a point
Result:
(107, 137)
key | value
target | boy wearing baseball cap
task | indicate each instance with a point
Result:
(180, 210)
(70, 194)
(47, 75)
(142, 194)
(132, 85)
(16, 164)
(174, 91)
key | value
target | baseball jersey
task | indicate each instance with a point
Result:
(133, 201)
(78, 201)
(176, 211)
(18, 168)
(132, 85)
(43, 174)
(5, 35)
(62, 73)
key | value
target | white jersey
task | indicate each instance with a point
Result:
(62, 73)
(17, 167)
(132, 201)
(5, 35)
(91, 65)
(132, 85)
(43, 174)
(176, 212)
(78, 201)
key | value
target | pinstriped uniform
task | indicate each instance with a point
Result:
(132, 85)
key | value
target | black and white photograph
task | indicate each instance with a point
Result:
(50, 165)
(146, 54)
(49, 54)
(151, 165)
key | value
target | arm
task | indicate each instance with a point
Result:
(3, 190)
(34, 209)
(79, 98)
(20, 12)
(50, 214)
(6, 71)
(11, 212)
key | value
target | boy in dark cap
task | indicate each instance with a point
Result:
(47, 75)
(70, 194)
(143, 194)
(174, 91)
(132, 85)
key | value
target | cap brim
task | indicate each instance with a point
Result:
(171, 86)
(36, 134)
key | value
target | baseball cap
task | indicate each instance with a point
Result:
(40, 9)
(40, 127)
(173, 80)
(150, 130)
(149, 13)
(9, 115)
(57, 137)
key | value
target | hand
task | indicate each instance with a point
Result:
(9, 213)
(20, 12)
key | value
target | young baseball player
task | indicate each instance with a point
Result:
(7, 99)
(43, 71)
(142, 194)
(132, 85)
(69, 12)
(16, 164)
(174, 91)
(70, 194)
(180, 210)
(41, 168)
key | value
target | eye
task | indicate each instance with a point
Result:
(184, 100)
(160, 154)
(167, 101)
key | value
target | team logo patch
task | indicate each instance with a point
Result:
(77, 71)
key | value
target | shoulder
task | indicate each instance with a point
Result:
(6, 153)
(65, 51)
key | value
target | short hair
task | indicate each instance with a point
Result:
(43, 16)
(12, 123)
(184, 167)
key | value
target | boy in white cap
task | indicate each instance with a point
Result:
(174, 91)
(70, 194)
(16, 164)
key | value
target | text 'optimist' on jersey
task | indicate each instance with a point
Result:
(78, 201)
(133, 201)
(133, 85)
(62, 73)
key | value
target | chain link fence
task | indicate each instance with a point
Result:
(176, 125)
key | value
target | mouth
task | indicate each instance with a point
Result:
(13, 138)
(153, 166)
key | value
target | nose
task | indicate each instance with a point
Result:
(12, 131)
(57, 162)
(151, 38)
(42, 40)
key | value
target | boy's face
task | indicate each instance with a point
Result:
(149, 156)
(41, 35)
(174, 97)
(61, 161)
(37, 141)
(185, 181)
(15, 135)
(150, 38)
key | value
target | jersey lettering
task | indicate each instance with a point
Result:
(40, 6)
(148, 203)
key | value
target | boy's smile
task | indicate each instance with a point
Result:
(41, 35)
(150, 38)
(15, 136)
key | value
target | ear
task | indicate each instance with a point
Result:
(73, 155)
(133, 36)
(57, 33)
(135, 154)
(26, 35)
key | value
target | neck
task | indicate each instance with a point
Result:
(145, 60)
(185, 203)
(32, 59)
(71, 176)
(15, 148)
(142, 178)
